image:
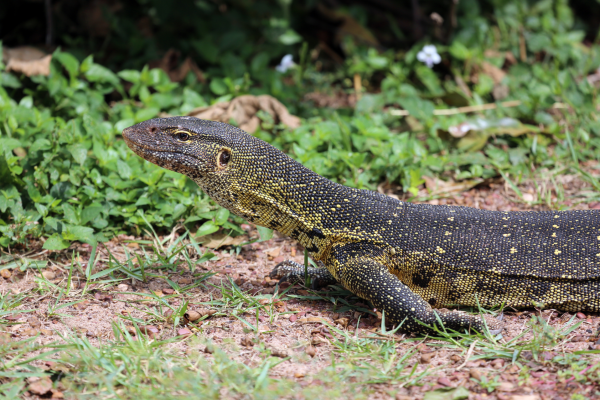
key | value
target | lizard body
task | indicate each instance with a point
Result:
(407, 259)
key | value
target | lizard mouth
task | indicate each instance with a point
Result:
(174, 160)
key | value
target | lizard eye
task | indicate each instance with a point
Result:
(224, 157)
(184, 137)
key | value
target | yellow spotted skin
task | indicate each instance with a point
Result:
(407, 259)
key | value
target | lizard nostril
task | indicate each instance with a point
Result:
(153, 130)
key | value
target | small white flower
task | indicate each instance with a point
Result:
(429, 56)
(285, 64)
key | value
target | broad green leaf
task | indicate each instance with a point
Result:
(79, 152)
(56, 242)
(207, 228)
(417, 107)
(68, 61)
(458, 393)
(130, 75)
(124, 169)
(290, 37)
(80, 233)
(221, 216)
(98, 73)
(218, 87)
(90, 213)
(459, 50)
(264, 233)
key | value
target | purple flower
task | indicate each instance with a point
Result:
(285, 64)
(429, 56)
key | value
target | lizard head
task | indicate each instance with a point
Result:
(226, 162)
(197, 148)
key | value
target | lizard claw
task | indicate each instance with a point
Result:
(494, 325)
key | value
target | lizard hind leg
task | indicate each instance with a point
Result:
(372, 280)
(293, 272)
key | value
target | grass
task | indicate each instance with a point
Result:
(352, 363)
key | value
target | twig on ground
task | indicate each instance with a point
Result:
(469, 354)
(468, 109)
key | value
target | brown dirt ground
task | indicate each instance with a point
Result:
(296, 325)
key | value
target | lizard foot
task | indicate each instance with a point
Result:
(293, 272)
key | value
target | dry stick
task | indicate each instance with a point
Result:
(469, 353)
(468, 109)
(357, 86)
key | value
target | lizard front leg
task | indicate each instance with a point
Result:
(371, 280)
(293, 272)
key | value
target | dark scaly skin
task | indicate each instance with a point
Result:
(406, 259)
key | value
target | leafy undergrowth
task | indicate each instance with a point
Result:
(165, 317)
(492, 108)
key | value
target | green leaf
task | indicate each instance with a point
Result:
(40, 145)
(79, 152)
(417, 107)
(290, 37)
(124, 123)
(56, 242)
(264, 233)
(90, 213)
(146, 113)
(429, 79)
(70, 213)
(218, 87)
(221, 216)
(80, 233)
(87, 63)
(9, 80)
(458, 393)
(9, 144)
(130, 75)
(207, 228)
(68, 61)
(98, 73)
(124, 169)
(459, 50)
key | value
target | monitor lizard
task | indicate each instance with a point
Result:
(408, 260)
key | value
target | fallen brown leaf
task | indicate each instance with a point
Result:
(219, 239)
(192, 315)
(281, 353)
(34, 322)
(311, 320)
(494, 72)
(185, 332)
(506, 387)
(347, 25)
(248, 340)
(40, 387)
(438, 187)
(27, 60)
(243, 111)
(426, 358)
(177, 72)
(49, 275)
(475, 373)
(274, 252)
